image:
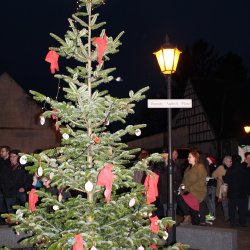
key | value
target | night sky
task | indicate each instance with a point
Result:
(25, 28)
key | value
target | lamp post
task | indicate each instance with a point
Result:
(168, 58)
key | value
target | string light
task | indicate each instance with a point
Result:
(58, 88)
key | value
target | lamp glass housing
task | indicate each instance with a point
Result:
(247, 129)
(168, 59)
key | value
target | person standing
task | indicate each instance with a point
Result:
(139, 176)
(211, 187)
(218, 175)
(195, 189)
(4, 163)
(236, 179)
(246, 165)
(17, 182)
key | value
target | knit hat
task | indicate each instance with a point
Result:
(212, 159)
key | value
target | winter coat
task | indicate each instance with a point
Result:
(218, 174)
(195, 181)
(14, 180)
(237, 181)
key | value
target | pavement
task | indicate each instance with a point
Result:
(243, 233)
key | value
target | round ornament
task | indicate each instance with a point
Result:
(138, 132)
(19, 212)
(23, 160)
(51, 175)
(140, 248)
(89, 186)
(70, 241)
(40, 171)
(132, 202)
(93, 248)
(65, 136)
(55, 207)
(118, 79)
(42, 120)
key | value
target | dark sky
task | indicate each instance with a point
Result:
(25, 28)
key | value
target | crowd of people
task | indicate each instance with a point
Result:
(200, 185)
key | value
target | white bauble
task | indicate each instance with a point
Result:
(55, 207)
(89, 186)
(165, 235)
(93, 248)
(118, 79)
(138, 132)
(40, 171)
(140, 248)
(19, 212)
(51, 175)
(42, 120)
(65, 136)
(23, 160)
(132, 202)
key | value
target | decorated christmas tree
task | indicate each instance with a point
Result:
(106, 208)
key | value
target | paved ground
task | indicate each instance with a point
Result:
(243, 233)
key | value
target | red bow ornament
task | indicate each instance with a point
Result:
(101, 47)
(33, 199)
(151, 187)
(78, 245)
(106, 178)
(52, 58)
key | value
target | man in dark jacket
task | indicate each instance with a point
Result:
(16, 183)
(4, 162)
(237, 191)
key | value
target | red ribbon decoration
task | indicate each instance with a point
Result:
(52, 58)
(154, 228)
(33, 199)
(78, 243)
(151, 187)
(101, 47)
(54, 117)
(106, 178)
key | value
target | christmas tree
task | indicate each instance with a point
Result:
(108, 209)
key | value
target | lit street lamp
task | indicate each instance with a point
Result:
(168, 58)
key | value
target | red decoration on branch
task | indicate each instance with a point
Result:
(154, 228)
(54, 117)
(33, 199)
(96, 139)
(78, 243)
(106, 178)
(52, 58)
(151, 187)
(101, 47)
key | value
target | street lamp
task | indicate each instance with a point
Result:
(247, 129)
(168, 58)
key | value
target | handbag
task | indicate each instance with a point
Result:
(223, 191)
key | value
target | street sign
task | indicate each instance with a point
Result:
(169, 103)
